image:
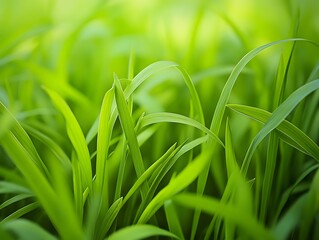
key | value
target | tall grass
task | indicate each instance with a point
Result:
(162, 119)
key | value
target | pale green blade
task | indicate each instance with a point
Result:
(181, 181)
(177, 118)
(230, 212)
(76, 136)
(103, 143)
(224, 96)
(25, 230)
(129, 131)
(140, 231)
(279, 116)
(288, 132)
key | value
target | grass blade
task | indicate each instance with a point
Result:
(177, 118)
(224, 96)
(25, 230)
(181, 181)
(234, 214)
(60, 214)
(14, 200)
(22, 211)
(141, 231)
(128, 128)
(19, 133)
(109, 218)
(288, 132)
(277, 117)
(103, 142)
(81, 161)
(149, 172)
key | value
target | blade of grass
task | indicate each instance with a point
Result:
(21, 211)
(162, 170)
(227, 211)
(14, 199)
(288, 222)
(222, 101)
(232, 167)
(173, 220)
(181, 181)
(103, 143)
(140, 231)
(9, 187)
(109, 218)
(177, 118)
(53, 146)
(273, 144)
(81, 161)
(149, 171)
(61, 215)
(310, 209)
(288, 132)
(18, 132)
(277, 117)
(122, 151)
(144, 75)
(225, 94)
(25, 229)
(285, 196)
(128, 129)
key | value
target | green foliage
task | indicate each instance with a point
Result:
(121, 124)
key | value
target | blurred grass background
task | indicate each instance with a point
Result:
(74, 47)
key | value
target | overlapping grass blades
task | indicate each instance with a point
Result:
(286, 130)
(227, 211)
(139, 232)
(279, 116)
(81, 161)
(22, 152)
(121, 180)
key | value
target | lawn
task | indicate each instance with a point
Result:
(134, 119)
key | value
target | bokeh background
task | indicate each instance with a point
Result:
(75, 46)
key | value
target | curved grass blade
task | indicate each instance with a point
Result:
(109, 218)
(24, 230)
(223, 99)
(181, 181)
(289, 221)
(140, 231)
(177, 118)
(9, 187)
(103, 143)
(81, 161)
(289, 132)
(14, 200)
(129, 131)
(278, 116)
(225, 94)
(172, 219)
(284, 198)
(144, 75)
(19, 133)
(310, 210)
(162, 170)
(232, 167)
(169, 154)
(22, 211)
(53, 146)
(230, 212)
(25, 161)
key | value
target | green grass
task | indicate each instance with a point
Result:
(159, 119)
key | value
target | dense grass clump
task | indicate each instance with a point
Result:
(162, 119)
